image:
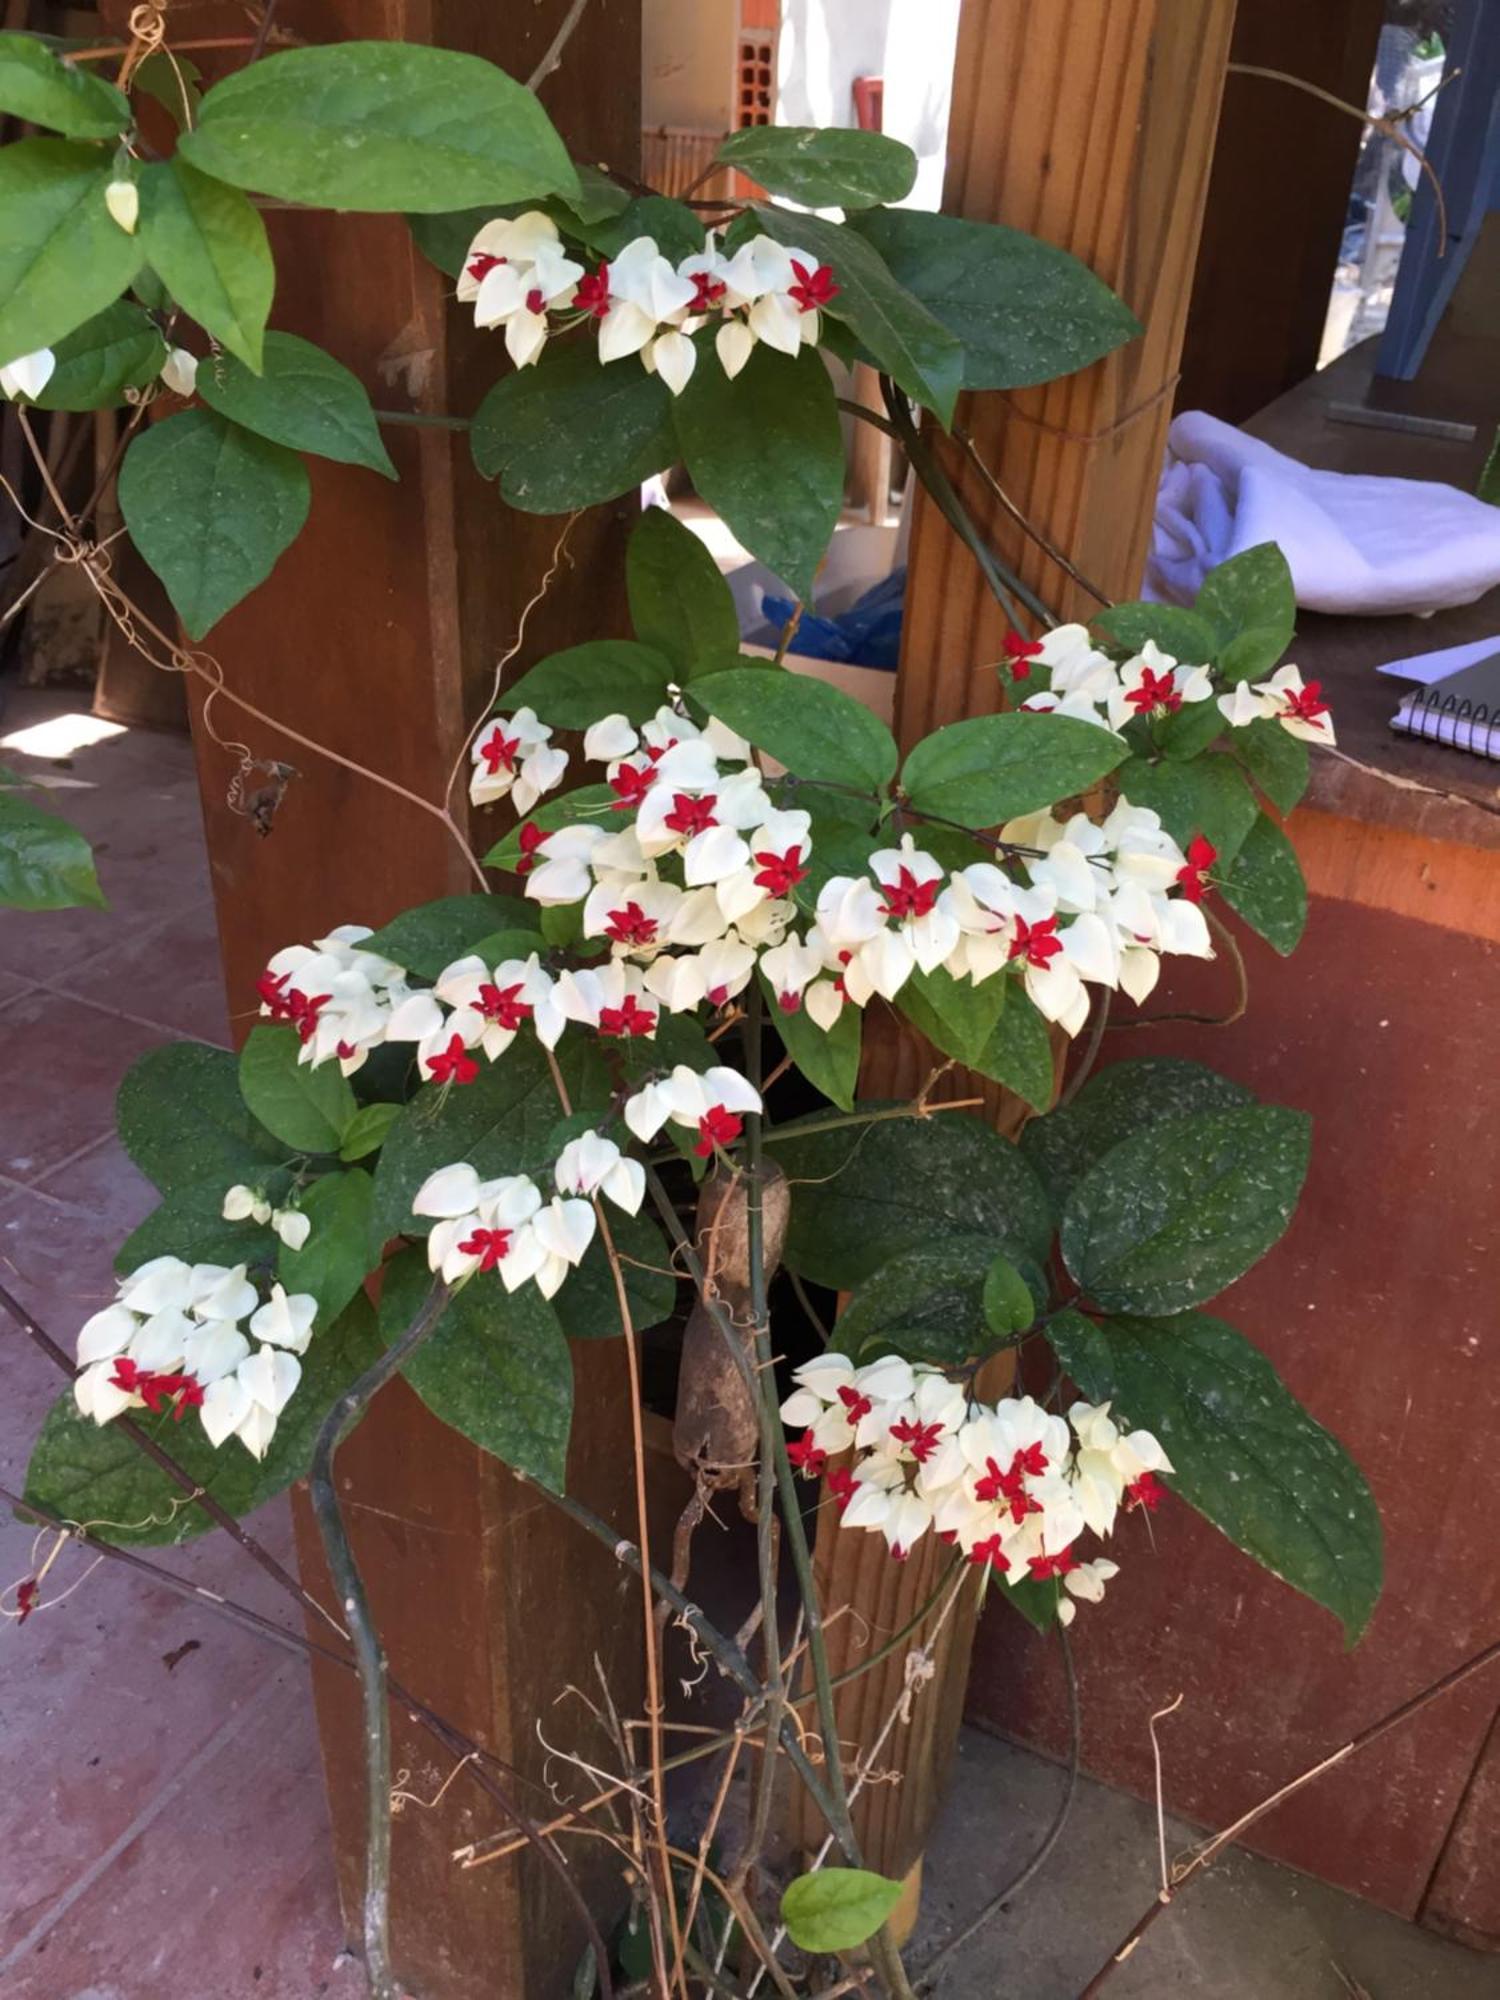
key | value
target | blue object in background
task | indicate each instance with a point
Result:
(868, 634)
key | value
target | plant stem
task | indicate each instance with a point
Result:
(427, 420)
(804, 1129)
(369, 1655)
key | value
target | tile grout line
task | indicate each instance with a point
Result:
(144, 1820)
(68, 1160)
(118, 1014)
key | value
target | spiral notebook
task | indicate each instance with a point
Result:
(1462, 710)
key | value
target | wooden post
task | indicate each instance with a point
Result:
(378, 635)
(1089, 123)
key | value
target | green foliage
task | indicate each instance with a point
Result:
(588, 1306)
(45, 864)
(118, 349)
(183, 1122)
(1010, 1303)
(1172, 1215)
(570, 432)
(210, 507)
(1019, 1052)
(380, 125)
(927, 1302)
(863, 1193)
(1277, 760)
(679, 603)
(1266, 886)
(335, 1260)
(304, 399)
(1114, 1105)
(502, 1123)
(1245, 1452)
(827, 1057)
(37, 86)
(497, 1369)
(91, 1472)
(208, 245)
(824, 169)
(902, 337)
(583, 684)
(837, 1908)
(308, 1108)
(367, 1129)
(955, 1015)
(1207, 795)
(677, 232)
(589, 802)
(822, 734)
(63, 257)
(429, 937)
(1186, 635)
(766, 451)
(1022, 310)
(996, 767)
(189, 1223)
(1252, 607)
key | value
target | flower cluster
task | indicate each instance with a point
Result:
(173, 1340)
(1087, 685)
(247, 1204)
(339, 998)
(518, 276)
(513, 757)
(1011, 1485)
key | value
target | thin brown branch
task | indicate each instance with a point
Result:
(559, 42)
(1027, 526)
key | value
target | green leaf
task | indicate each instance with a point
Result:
(1188, 731)
(367, 1129)
(208, 245)
(1265, 886)
(189, 1223)
(307, 1108)
(1250, 602)
(175, 81)
(837, 1908)
(1115, 1104)
(828, 1058)
(45, 864)
(92, 1472)
(926, 1303)
(1023, 310)
(335, 1260)
(955, 1015)
(1209, 795)
(38, 86)
(1019, 1052)
(679, 603)
(588, 1307)
(380, 125)
(1277, 760)
(1009, 1304)
(996, 767)
(904, 338)
(304, 399)
(427, 939)
(1245, 1452)
(1174, 1214)
(118, 349)
(184, 1123)
(766, 451)
(678, 233)
(571, 432)
(63, 257)
(843, 837)
(497, 1369)
(1189, 638)
(210, 507)
(861, 1193)
(582, 684)
(824, 169)
(1036, 1598)
(816, 730)
(502, 1123)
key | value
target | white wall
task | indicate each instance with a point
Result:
(825, 44)
(687, 76)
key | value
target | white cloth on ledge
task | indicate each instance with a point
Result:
(1357, 544)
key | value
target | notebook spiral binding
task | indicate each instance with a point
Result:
(1452, 719)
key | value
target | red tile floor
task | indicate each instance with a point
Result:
(161, 1807)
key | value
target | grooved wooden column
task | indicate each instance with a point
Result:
(1089, 123)
(378, 635)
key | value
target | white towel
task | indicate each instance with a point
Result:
(1356, 544)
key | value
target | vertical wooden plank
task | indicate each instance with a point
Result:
(1089, 123)
(378, 635)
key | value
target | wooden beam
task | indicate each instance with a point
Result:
(1089, 123)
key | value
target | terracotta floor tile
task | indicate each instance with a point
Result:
(61, 1062)
(167, 974)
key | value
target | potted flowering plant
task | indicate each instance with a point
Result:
(536, 1111)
